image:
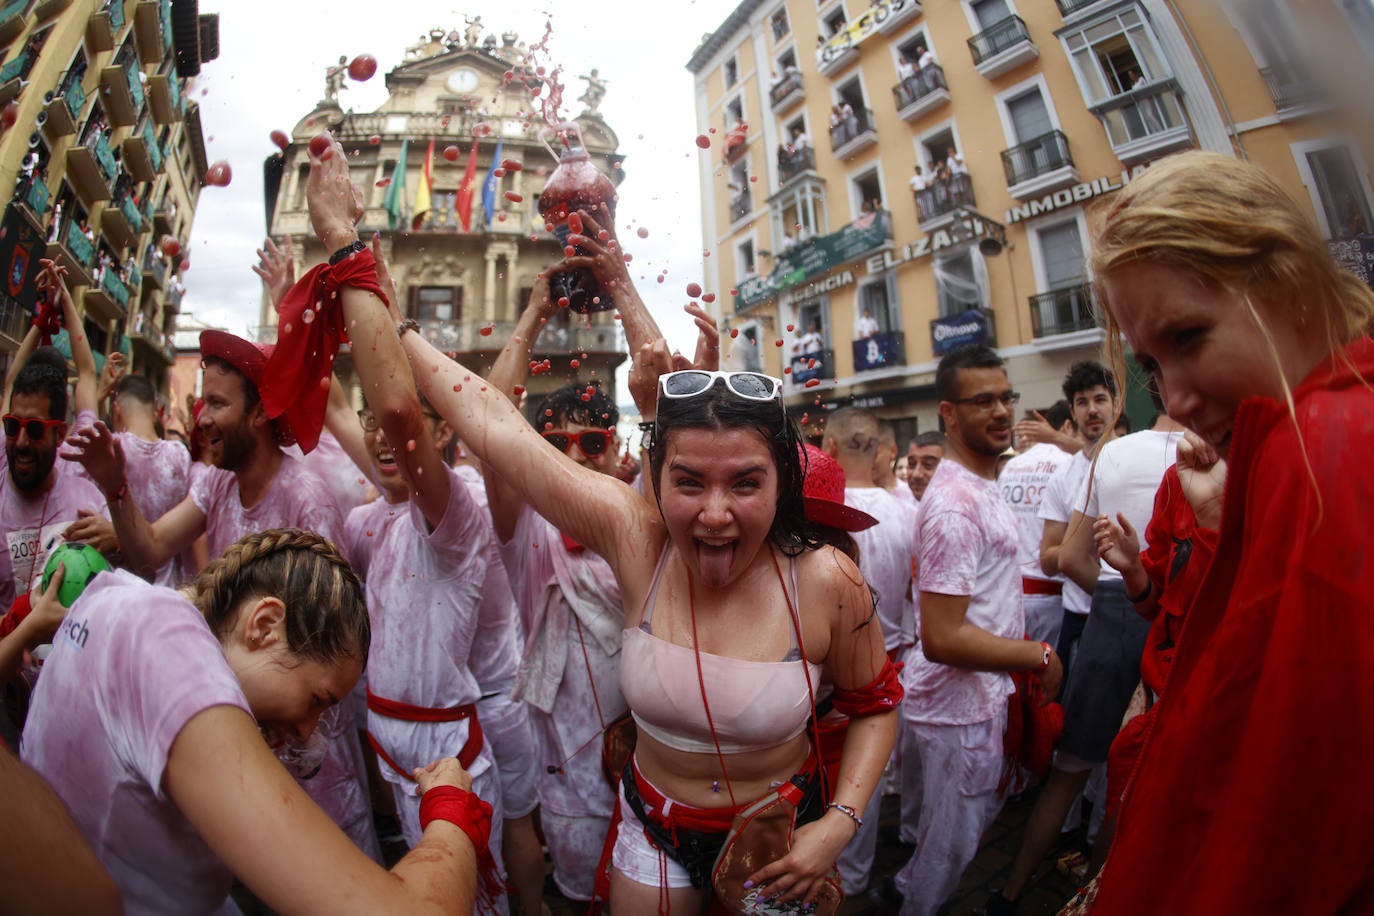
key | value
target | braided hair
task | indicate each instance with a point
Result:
(326, 617)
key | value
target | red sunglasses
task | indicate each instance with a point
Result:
(593, 442)
(36, 427)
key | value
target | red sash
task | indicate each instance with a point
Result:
(394, 709)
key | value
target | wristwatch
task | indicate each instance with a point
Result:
(1045, 661)
(351, 248)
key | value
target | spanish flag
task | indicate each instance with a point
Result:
(425, 187)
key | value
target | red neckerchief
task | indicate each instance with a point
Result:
(573, 546)
(295, 380)
(48, 319)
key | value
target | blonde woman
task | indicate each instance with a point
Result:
(1252, 792)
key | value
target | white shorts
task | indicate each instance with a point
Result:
(638, 859)
(506, 727)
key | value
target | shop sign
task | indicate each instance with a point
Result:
(1067, 197)
(814, 257)
(971, 327)
(958, 232)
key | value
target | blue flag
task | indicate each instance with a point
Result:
(489, 186)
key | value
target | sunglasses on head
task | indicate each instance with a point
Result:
(688, 383)
(36, 427)
(593, 442)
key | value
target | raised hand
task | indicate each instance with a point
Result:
(1202, 473)
(277, 268)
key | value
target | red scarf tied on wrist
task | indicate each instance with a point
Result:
(48, 319)
(295, 380)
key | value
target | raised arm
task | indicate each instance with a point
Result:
(342, 423)
(146, 546)
(606, 261)
(595, 509)
(277, 268)
(507, 374)
(335, 207)
(262, 825)
(84, 397)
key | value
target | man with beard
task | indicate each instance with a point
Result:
(971, 626)
(253, 486)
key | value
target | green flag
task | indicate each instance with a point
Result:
(396, 191)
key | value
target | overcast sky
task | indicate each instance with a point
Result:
(270, 73)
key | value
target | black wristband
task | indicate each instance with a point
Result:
(1144, 593)
(352, 248)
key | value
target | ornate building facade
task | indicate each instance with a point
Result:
(452, 165)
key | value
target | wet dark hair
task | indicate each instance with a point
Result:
(1058, 413)
(970, 356)
(575, 404)
(326, 617)
(1087, 375)
(137, 387)
(250, 391)
(718, 408)
(45, 374)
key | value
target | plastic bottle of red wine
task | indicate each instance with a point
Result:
(576, 184)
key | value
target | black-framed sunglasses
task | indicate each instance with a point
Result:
(984, 401)
(36, 427)
(688, 383)
(593, 442)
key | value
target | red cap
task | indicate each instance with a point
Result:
(248, 358)
(823, 494)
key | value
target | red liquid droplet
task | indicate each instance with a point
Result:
(787, 370)
(375, 139)
(778, 342)
(563, 302)
(575, 222)
(451, 153)
(219, 174)
(734, 333)
(362, 67)
(791, 328)
(518, 389)
(569, 251)
(499, 173)
(318, 144)
(642, 232)
(812, 383)
(694, 289)
(511, 165)
(381, 183)
(280, 139)
(575, 363)
(708, 298)
(486, 330)
(513, 197)
(703, 141)
(170, 246)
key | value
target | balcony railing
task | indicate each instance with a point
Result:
(791, 164)
(1036, 157)
(1000, 37)
(741, 205)
(467, 336)
(1063, 311)
(34, 194)
(80, 247)
(112, 285)
(109, 166)
(853, 133)
(781, 94)
(1144, 122)
(942, 198)
(1069, 7)
(18, 68)
(924, 85)
(881, 351)
(1288, 87)
(12, 20)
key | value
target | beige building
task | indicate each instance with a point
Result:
(914, 176)
(463, 270)
(107, 159)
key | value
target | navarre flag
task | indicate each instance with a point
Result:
(424, 192)
(395, 192)
(490, 185)
(463, 203)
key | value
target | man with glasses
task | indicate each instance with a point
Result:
(971, 629)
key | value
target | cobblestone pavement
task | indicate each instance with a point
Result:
(1047, 893)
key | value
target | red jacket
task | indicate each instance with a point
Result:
(1254, 792)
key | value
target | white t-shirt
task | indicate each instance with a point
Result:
(159, 477)
(424, 590)
(926, 59)
(905, 70)
(885, 559)
(1125, 479)
(1023, 481)
(1057, 505)
(31, 524)
(868, 326)
(966, 545)
(297, 498)
(332, 465)
(132, 664)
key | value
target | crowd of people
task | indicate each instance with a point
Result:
(693, 677)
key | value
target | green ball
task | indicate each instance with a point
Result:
(82, 561)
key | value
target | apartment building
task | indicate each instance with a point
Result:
(1013, 116)
(453, 164)
(107, 159)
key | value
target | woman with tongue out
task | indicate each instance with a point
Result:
(721, 659)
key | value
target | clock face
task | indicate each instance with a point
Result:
(463, 80)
